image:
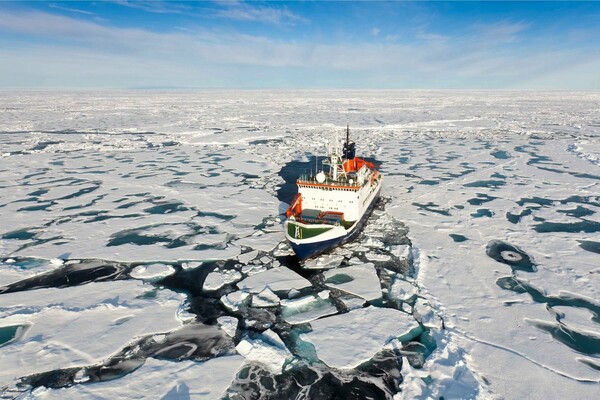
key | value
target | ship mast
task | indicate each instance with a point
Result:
(335, 161)
(348, 135)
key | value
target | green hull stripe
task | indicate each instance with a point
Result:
(301, 232)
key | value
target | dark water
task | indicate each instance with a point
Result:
(458, 238)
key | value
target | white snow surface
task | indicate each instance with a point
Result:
(159, 176)
(363, 280)
(268, 349)
(81, 325)
(276, 279)
(348, 340)
(159, 379)
(152, 272)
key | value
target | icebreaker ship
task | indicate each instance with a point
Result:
(332, 206)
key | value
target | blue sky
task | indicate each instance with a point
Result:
(303, 44)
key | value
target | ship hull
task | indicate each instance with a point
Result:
(308, 249)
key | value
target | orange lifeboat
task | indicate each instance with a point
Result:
(295, 208)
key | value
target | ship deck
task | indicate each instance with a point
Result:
(311, 216)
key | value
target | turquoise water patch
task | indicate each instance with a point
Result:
(491, 183)
(535, 200)
(429, 182)
(39, 207)
(582, 341)
(153, 234)
(26, 263)
(518, 285)
(480, 199)
(432, 207)
(577, 212)
(38, 192)
(516, 218)
(20, 234)
(11, 333)
(510, 255)
(501, 154)
(482, 212)
(584, 226)
(79, 193)
(338, 279)
(224, 217)
(166, 207)
(591, 246)
(458, 238)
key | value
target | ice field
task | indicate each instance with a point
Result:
(142, 252)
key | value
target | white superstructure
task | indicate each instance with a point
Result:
(344, 189)
(331, 206)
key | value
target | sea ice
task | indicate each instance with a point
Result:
(265, 298)
(307, 308)
(152, 272)
(280, 279)
(325, 261)
(360, 280)
(401, 289)
(80, 325)
(145, 177)
(234, 300)
(159, 379)
(221, 277)
(266, 349)
(347, 340)
(228, 324)
(424, 313)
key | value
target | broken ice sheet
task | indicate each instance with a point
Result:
(152, 272)
(401, 289)
(348, 340)
(424, 313)
(228, 324)
(280, 279)
(325, 261)
(266, 349)
(159, 379)
(307, 308)
(266, 298)
(360, 280)
(234, 300)
(81, 325)
(220, 277)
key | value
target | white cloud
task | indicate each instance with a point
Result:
(431, 37)
(155, 6)
(503, 31)
(88, 54)
(375, 32)
(242, 11)
(70, 9)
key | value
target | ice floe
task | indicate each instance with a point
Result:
(89, 177)
(347, 340)
(159, 379)
(280, 279)
(267, 349)
(152, 272)
(81, 325)
(360, 280)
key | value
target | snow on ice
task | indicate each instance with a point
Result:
(499, 193)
